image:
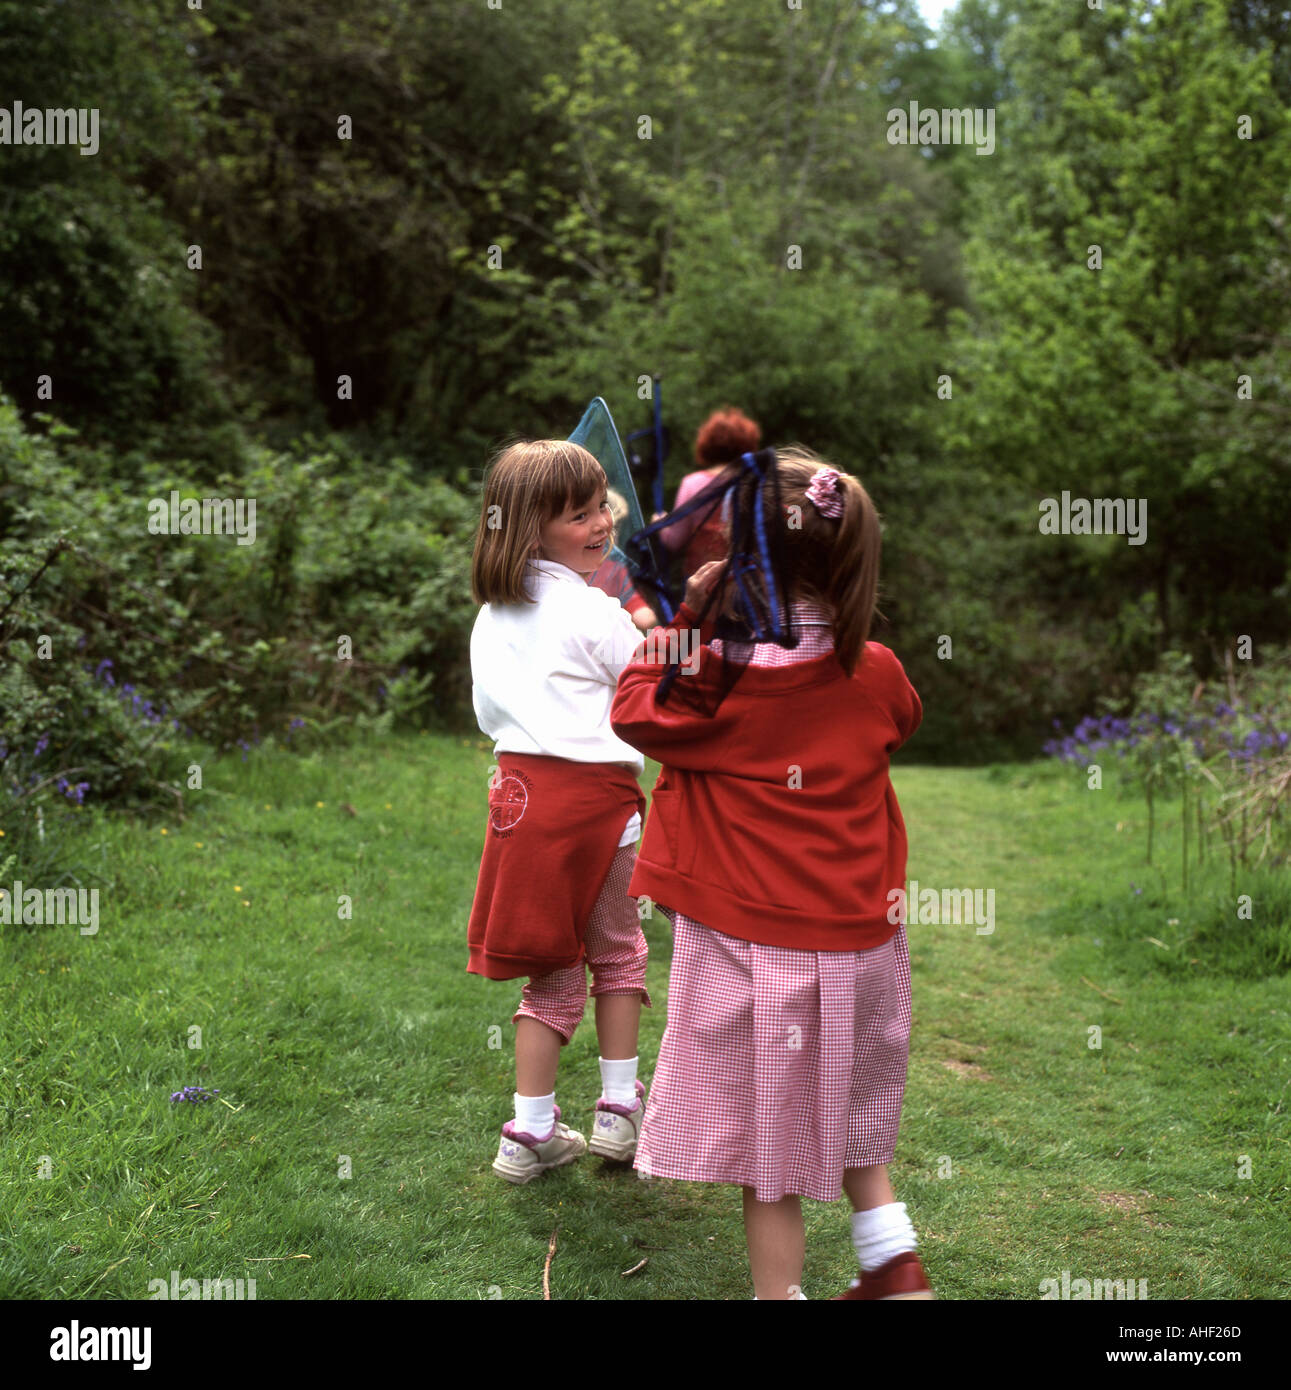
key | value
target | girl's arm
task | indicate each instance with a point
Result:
(670, 733)
(619, 641)
(915, 716)
(907, 708)
(611, 645)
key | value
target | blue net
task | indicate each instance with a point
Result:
(749, 604)
(596, 433)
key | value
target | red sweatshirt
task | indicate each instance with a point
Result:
(775, 821)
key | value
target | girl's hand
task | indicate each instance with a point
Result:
(699, 585)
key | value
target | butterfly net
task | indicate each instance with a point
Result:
(596, 433)
(749, 602)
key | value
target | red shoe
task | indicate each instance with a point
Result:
(901, 1277)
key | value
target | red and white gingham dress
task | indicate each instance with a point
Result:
(778, 1068)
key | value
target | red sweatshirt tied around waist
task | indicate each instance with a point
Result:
(554, 828)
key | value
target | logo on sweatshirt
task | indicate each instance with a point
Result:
(508, 801)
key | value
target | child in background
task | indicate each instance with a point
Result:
(702, 536)
(613, 577)
(775, 836)
(564, 805)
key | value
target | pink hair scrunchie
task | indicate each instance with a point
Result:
(824, 492)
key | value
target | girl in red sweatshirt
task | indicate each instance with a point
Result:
(775, 837)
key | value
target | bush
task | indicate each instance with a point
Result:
(126, 655)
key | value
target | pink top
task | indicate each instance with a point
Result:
(613, 578)
(674, 537)
(704, 533)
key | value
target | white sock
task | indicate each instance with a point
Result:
(881, 1233)
(799, 1297)
(535, 1115)
(619, 1080)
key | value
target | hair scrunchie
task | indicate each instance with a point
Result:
(823, 491)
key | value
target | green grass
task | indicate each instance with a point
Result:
(366, 1038)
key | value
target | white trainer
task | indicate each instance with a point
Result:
(617, 1127)
(523, 1157)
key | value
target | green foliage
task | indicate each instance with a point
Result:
(94, 289)
(1124, 381)
(543, 203)
(129, 653)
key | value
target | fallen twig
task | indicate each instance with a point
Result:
(1103, 992)
(546, 1269)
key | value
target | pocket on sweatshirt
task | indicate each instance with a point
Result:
(666, 807)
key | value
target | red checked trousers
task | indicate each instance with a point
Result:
(616, 956)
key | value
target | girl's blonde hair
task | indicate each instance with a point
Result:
(528, 484)
(833, 561)
(618, 507)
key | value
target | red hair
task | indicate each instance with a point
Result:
(725, 436)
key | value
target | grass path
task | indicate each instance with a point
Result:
(360, 1046)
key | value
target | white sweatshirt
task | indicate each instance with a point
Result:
(543, 674)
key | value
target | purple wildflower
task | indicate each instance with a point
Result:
(195, 1094)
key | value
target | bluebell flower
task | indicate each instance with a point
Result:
(195, 1094)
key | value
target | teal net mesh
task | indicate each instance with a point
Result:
(596, 434)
